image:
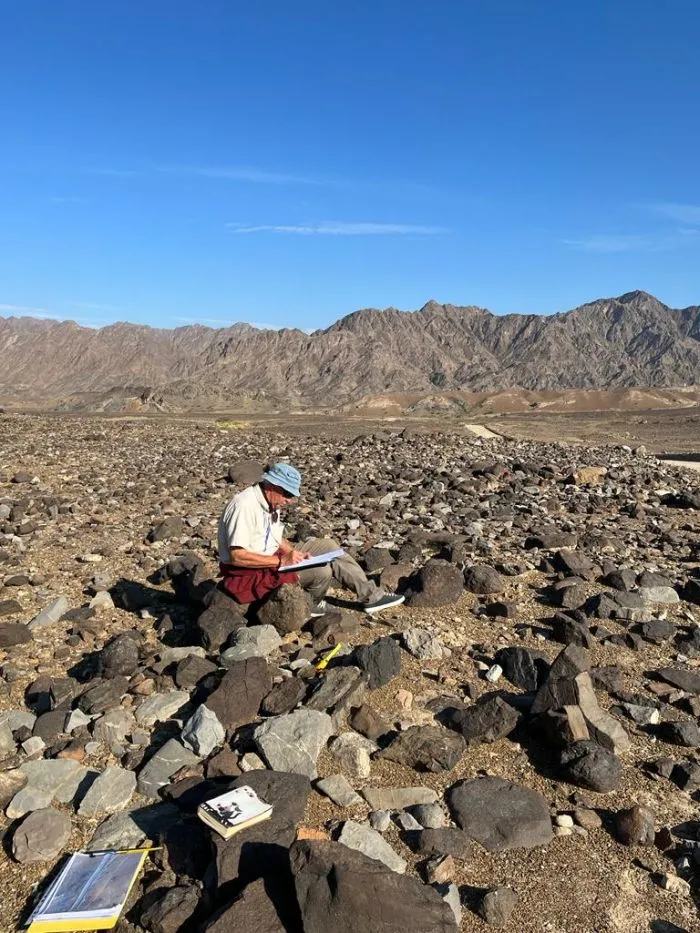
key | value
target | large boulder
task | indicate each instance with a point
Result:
(439, 583)
(262, 850)
(483, 580)
(120, 656)
(426, 748)
(381, 661)
(499, 814)
(588, 765)
(170, 910)
(255, 911)
(42, 836)
(523, 667)
(245, 472)
(217, 623)
(286, 608)
(293, 742)
(486, 721)
(342, 890)
(237, 699)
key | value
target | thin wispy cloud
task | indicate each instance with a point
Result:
(23, 309)
(90, 306)
(634, 242)
(340, 228)
(249, 174)
(682, 213)
(66, 200)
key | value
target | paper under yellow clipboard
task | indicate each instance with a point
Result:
(75, 889)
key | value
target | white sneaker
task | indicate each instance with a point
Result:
(384, 602)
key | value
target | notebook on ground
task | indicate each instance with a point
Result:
(316, 561)
(89, 892)
(234, 811)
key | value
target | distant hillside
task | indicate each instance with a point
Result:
(616, 343)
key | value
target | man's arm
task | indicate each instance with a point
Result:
(241, 557)
(251, 560)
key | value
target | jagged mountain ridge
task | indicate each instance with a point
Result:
(630, 341)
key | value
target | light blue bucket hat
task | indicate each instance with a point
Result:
(285, 476)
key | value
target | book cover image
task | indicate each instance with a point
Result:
(236, 807)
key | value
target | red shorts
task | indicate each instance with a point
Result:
(248, 585)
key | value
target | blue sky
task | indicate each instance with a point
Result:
(287, 163)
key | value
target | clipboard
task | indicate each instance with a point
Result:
(317, 561)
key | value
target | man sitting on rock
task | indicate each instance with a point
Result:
(253, 549)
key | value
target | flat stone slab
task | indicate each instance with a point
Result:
(364, 839)
(132, 828)
(158, 770)
(684, 680)
(338, 789)
(42, 836)
(58, 779)
(397, 798)
(109, 793)
(499, 814)
(293, 742)
(50, 614)
(160, 707)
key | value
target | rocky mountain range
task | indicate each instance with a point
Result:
(631, 341)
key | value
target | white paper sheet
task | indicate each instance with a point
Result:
(318, 561)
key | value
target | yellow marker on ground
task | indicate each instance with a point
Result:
(323, 663)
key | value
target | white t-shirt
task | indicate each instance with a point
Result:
(247, 522)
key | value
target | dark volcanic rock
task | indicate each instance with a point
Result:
(444, 841)
(497, 905)
(245, 472)
(558, 689)
(342, 890)
(42, 835)
(439, 583)
(255, 911)
(262, 850)
(500, 815)
(286, 608)
(684, 680)
(170, 910)
(635, 826)
(685, 733)
(119, 656)
(237, 699)
(575, 564)
(103, 695)
(219, 621)
(426, 748)
(171, 527)
(523, 668)
(284, 697)
(483, 580)
(369, 722)
(14, 634)
(381, 660)
(486, 721)
(589, 765)
(191, 670)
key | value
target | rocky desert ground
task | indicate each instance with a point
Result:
(516, 747)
